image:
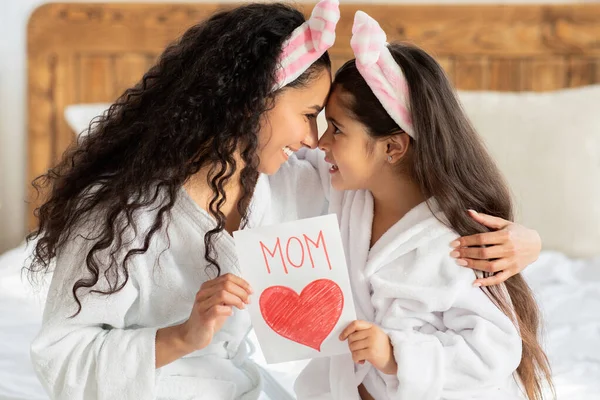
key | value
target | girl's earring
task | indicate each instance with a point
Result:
(389, 158)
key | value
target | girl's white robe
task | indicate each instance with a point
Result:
(449, 339)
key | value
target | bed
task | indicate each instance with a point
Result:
(89, 53)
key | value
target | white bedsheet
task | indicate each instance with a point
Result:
(568, 292)
(20, 314)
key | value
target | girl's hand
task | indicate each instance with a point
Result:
(509, 249)
(213, 305)
(368, 342)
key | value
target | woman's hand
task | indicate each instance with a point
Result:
(213, 304)
(368, 342)
(508, 250)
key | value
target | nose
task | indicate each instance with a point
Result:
(325, 141)
(312, 137)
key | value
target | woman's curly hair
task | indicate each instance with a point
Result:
(200, 103)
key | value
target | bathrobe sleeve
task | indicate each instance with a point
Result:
(473, 346)
(93, 355)
(316, 158)
(298, 185)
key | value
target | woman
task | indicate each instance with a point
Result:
(137, 308)
(146, 300)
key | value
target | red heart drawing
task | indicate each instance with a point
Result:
(306, 319)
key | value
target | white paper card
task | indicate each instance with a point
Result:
(302, 297)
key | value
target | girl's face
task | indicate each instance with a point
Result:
(292, 122)
(355, 157)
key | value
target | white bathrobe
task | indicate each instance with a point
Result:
(449, 340)
(107, 351)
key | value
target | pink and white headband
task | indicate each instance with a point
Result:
(308, 42)
(379, 69)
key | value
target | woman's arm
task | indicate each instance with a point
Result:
(170, 345)
(505, 252)
(97, 353)
(93, 354)
(302, 184)
(316, 158)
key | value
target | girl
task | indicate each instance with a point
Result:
(404, 164)
(140, 213)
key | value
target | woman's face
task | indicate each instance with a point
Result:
(292, 122)
(356, 160)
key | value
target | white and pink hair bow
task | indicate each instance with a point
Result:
(379, 69)
(308, 42)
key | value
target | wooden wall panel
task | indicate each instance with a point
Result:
(505, 74)
(579, 71)
(113, 27)
(447, 63)
(129, 69)
(42, 129)
(572, 29)
(65, 90)
(543, 74)
(96, 78)
(471, 73)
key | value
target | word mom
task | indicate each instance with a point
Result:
(295, 251)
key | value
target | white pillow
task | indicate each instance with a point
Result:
(546, 144)
(548, 147)
(79, 116)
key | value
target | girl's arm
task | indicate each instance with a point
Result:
(449, 340)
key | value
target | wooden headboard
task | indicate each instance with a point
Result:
(83, 53)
